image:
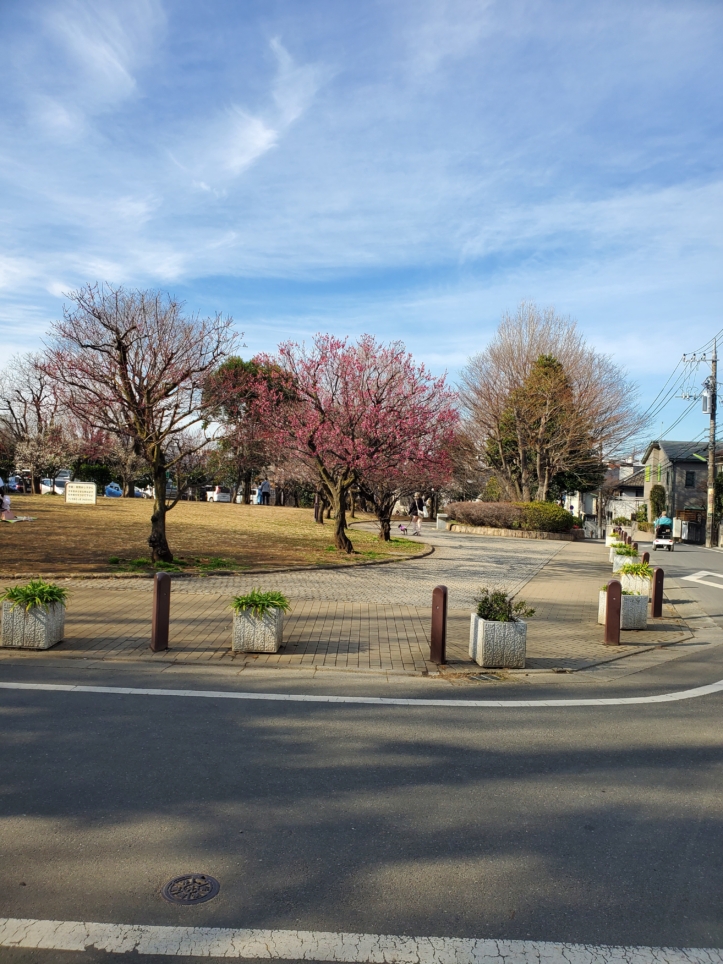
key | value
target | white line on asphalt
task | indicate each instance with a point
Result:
(323, 946)
(373, 700)
(700, 578)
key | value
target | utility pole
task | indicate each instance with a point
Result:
(712, 386)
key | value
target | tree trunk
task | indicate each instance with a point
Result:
(36, 485)
(383, 508)
(128, 487)
(247, 487)
(341, 539)
(157, 541)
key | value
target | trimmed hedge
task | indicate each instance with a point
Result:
(497, 515)
(646, 526)
(532, 516)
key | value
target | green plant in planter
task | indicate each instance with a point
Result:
(630, 551)
(624, 592)
(619, 545)
(37, 592)
(259, 603)
(621, 520)
(499, 607)
(643, 569)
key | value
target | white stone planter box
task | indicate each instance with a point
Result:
(610, 538)
(252, 635)
(633, 611)
(36, 629)
(637, 584)
(620, 561)
(497, 645)
(442, 520)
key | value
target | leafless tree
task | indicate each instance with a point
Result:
(131, 363)
(121, 457)
(29, 408)
(541, 402)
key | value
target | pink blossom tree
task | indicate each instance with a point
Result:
(355, 412)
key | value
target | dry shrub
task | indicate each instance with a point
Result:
(497, 515)
(532, 516)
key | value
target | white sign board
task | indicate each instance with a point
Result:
(80, 493)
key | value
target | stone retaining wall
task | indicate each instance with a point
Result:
(573, 536)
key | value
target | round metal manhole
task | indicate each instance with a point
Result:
(191, 889)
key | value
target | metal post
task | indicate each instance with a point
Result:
(713, 398)
(161, 612)
(438, 645)
(612, 613)
(646, 557)
(658, 576)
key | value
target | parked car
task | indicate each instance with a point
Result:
(48, 487)
(150, 492)
(218, 493)
(240, 496)
(17, 484)
(113, 491)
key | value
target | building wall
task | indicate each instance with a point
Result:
(672, 476)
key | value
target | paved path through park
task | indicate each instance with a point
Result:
(372, 618)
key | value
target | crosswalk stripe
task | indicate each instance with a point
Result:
(325, 946)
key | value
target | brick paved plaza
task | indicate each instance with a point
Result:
(371, 618)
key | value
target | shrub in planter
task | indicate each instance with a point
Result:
(498, 633)
(637, 577)
(622, 556)
(33, 615)
(615, 546)
(258, 621)
(633, 609)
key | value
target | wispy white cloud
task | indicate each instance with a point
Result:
(410, 168)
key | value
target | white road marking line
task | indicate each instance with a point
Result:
(699, 577)
(372, 700)
(323, 946)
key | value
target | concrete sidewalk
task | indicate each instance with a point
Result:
(336, 624)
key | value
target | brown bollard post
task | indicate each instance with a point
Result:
(635, 546)
(658, 577)
(161, 612)
(646, 557)
(612, 613)
(438, 644)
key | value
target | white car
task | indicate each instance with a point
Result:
(218, 493)
(47, 487)
(240, 496)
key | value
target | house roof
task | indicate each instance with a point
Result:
(635, 480)
(678, 451)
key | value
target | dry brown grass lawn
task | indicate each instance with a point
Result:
(202, 536)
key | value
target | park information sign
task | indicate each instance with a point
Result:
(80, 493)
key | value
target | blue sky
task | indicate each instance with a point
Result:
(405, 167)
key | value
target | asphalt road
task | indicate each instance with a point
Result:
(585, 824)
(688, 560)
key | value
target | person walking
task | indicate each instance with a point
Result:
(265, 492)
(416, 511)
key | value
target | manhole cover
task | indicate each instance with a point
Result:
(191, 889)
(485, 678)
